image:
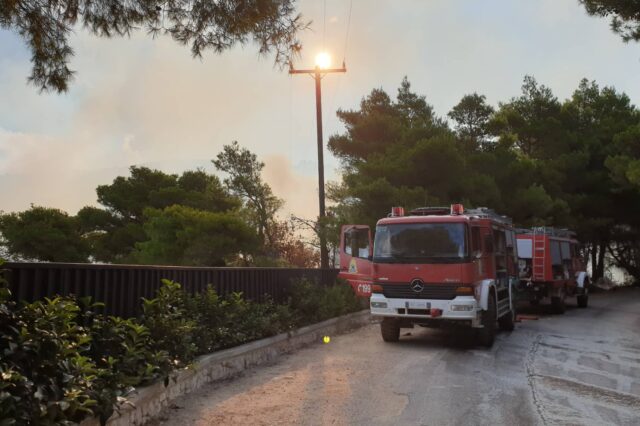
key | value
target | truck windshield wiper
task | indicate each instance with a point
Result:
(437, 259)
(387, 259)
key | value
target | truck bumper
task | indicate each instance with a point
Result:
(464, 309)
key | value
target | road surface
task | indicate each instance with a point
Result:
(579, 368)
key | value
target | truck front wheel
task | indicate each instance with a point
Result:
(487, 334)
(390, 330)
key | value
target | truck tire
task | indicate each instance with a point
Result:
(390, 330)
(557, 305)
(487, 334)
(508, 322)
(583, 300)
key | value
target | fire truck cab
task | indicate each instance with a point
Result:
(435, 267)
(551, 267)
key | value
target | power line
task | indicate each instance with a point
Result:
(346, 37)
(324, 24)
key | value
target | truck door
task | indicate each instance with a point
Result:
(356, 250)
(501, 257)
(488, 260)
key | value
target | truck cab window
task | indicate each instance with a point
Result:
(500, 249)
(421, 243)
(476, 245)
(356, 243)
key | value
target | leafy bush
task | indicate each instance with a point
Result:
(61, 360)
(170, 324)
(251, 321)
(304, 301)
(338, 300)
(310, 303)
(223, 322)
(16, 400)
(46, 365)
(126, 356)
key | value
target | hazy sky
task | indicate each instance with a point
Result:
(147, 102)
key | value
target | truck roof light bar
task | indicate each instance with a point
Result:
(430, 211)
(396, 212)
(487, 213)
(457, 209)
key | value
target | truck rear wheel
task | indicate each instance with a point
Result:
(508, 322)
(390, 330)
(557, 305)
(583, 300)
(487, 334)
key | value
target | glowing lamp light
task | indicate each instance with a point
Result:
(323, 60)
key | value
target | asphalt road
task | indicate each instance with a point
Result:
(582, 367)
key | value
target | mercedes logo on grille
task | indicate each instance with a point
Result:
(417, 285)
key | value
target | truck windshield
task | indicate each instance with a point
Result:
(420, 243)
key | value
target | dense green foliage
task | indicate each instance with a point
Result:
(625, 16)
(182, 235)
(130, 203)
(45, 234)
(539, 160)
(61, 361)
(216, 26)
(152, 217)
(245, 181)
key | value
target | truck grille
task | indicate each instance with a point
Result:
(430, 291)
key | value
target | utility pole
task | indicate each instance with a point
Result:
(318, 73)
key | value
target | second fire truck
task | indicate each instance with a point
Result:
(551, 267)
(435, 267)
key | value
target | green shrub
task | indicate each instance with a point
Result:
(337, 300)
(209, 311)
(127, 356)
(310, 303)
(44, 362)
(252, 321)
(223, 322)
(16, 390)
(304, 301)
(170, 322)
(16, 397)
(61, 360)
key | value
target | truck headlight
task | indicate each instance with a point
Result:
(378, 304)
(458, 308)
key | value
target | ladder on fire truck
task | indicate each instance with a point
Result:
(539, 253)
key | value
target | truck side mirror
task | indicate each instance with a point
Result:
(477, 254)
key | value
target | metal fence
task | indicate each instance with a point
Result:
(122, 287)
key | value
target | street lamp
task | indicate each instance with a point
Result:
(323, 62)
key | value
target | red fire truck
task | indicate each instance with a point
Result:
(551, 267)
(435, 267)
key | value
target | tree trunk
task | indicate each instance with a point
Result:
(598, 267)
(594, 260)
